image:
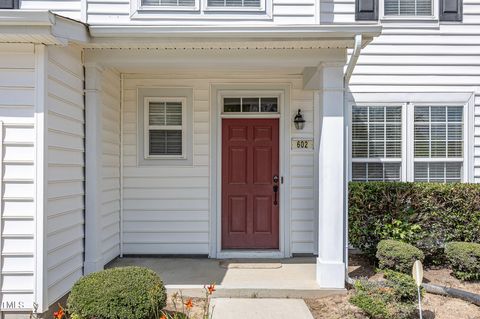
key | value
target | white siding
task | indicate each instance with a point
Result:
(440, 59)
(17, 92)
(337, 11)
(167, 208)
(66, 8)
(284, 12)
(110, 205)
(65, 174)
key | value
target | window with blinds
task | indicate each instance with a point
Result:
(164, 125)
(415, 8)
(169, 3)
(234, 3)
(376, 143)
(438, 143)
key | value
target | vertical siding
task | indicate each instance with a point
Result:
(284, 12)
(66, 8)
(166, 208)
(438, 59)
(110, 206)
(65, 157)
(17, 92)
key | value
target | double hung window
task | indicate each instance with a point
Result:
(428, 141)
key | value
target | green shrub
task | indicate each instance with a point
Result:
(464, 258)
(396, 255)
(404, 285)
(426, 215)
(385, 300)
(126, 293)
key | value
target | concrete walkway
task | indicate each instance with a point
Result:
(260, 309)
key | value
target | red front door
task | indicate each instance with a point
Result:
(250, 176)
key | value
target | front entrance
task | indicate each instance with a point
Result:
(250, 184)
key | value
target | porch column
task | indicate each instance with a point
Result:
(93, 165)
(331, 197)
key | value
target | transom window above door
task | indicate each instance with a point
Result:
(408, 8)
(250, 105)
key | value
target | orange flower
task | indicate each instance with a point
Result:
(163, 317)
(189, 304)
(58, 314)
(211, 289)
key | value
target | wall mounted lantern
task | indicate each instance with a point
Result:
(299, 121)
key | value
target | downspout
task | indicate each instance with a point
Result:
(348, 74)
(121, 165)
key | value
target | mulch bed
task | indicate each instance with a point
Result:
(434, 306)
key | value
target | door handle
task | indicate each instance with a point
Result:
(275, 189)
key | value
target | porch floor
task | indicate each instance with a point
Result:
(240, 278)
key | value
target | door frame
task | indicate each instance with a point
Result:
(217, 91)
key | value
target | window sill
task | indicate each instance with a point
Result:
(411, 22)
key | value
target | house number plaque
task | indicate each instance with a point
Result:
(302, 144)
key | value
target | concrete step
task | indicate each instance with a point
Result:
(257, 292)
(260, 309)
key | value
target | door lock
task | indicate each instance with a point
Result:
(275, 189)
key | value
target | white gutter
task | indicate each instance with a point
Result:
(348, 74)
(121, 163)
(297, 32)
(40, 26)
(357, 48)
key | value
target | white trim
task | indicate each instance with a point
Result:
(121, 181)
(217, 91)
(405, 150)
(147, 127)
(229, 32)
(409, 145)
(41, 27)
(41, 168)
(93, 167)
(469, 140)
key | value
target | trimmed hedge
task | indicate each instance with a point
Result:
(426, 215)
(124, 292)
(398, 256)
(391, 299)
(464, 258)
